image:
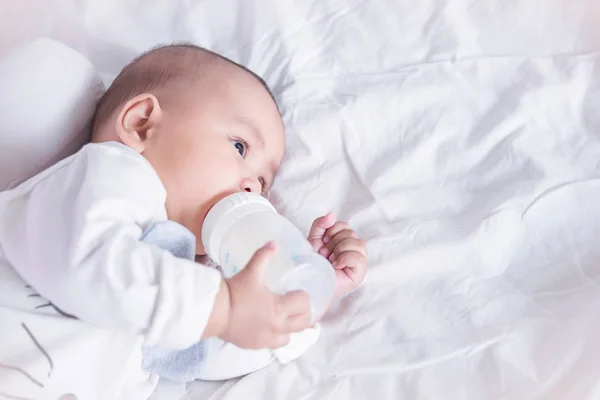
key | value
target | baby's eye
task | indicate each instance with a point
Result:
(240, 146)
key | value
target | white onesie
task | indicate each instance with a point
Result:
(69, 246)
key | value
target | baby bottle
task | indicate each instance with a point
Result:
(241, 223)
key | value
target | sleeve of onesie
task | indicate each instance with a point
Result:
(75, 239)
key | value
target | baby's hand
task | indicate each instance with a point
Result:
(346, 252)
(258, 318)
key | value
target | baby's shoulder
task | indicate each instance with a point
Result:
(112, 164)
(113, 161)
(104, 166)
(111, 152)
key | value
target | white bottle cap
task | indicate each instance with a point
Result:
(224, 213)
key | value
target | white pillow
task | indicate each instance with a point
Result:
(49, 93)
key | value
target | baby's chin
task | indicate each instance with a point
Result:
(200, 258)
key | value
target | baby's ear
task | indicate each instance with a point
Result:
(137, 119)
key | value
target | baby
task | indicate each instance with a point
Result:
(179, 129)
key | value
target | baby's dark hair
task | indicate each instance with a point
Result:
(156, 68)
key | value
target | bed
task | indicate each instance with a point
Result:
(460, 138)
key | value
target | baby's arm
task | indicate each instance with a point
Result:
(75, 240)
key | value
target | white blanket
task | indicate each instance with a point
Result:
(459, 137)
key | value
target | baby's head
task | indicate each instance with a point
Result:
(207, 125)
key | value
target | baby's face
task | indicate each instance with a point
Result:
(231, 139)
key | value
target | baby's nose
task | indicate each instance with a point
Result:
(251, 185)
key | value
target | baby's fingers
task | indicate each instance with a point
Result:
(353, 263)
(293, 312)
(298, 323)
(294, 303)
(318, 229)
(328, 249)
(259, 261)
(351, 244)
(334, 230)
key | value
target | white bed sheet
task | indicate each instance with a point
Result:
(459, 137)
